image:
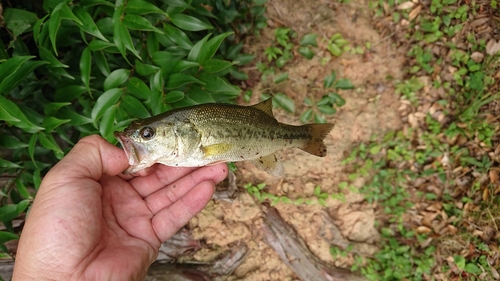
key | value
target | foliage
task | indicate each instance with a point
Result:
(71, 69)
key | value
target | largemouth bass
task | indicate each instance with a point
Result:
(212, 133)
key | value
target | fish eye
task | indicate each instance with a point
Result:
(147, 133)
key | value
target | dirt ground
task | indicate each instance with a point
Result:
(370, 109)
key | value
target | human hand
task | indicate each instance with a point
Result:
(89, 222)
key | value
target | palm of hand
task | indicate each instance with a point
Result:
(91, 224)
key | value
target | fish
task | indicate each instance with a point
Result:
(212, 133)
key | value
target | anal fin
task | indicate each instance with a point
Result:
(271, 164)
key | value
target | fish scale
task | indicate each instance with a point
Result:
(212, 133)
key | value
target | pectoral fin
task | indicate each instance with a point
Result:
(215, 149)
(270, 164)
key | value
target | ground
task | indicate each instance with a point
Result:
(371, 109)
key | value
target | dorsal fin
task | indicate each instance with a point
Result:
(265, 106)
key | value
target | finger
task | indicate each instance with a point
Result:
(91, 157)
(169, 220)
(168, 195)
(165, 175)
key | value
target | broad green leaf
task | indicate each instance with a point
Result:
(344, 84)
(329, 80)
(12, 111)
(212, 46)
(240, 75)
(8, 165)
(243, 59)
(215, 65)
(306, 52)
(189, 23)
(306, 116)
(136, 22)
(14, 70)
(336, 99)
(31, 148)
(85, 67)
(76, 119)
(280, 78)
(37, 179)
(90, 3)
(69, 93)
(140, 7)
(7, 236)
(174, 96)
(284, 102)
(179, 79)
(178, 3)
(66, 13)
(162, 58)
(145, 69)
(233, 51)
(309, 40)
(326, 109)
(54, 23)
(199, 95)
(180, 66)
(88, 24)
(19, 21)
(48, 141)
(104, 101)
(21, 188)
(134, 107)
(50, 123)
(318, 118)
(123, 40)
(138, 88)
(177, 36)
(116, 78)
(101, 62)
(8, 212)
(11, 142)
(157, 82)
(152, 43)
(37, 28)
(47, 55)
(195, 52)
(107, 122)
(98, 45)
(217, 84)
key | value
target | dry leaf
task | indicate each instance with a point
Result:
(405, 5)
(492, 47)
(414, 13)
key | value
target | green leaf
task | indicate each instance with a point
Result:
(162, 58)
(140, 7)
(326, 109)
(66, 13)
(472, 268)
(215, 65)
(19, 21)
(54, 22)
(85, 67)
(50, 123)
(116, 78)
(48, 141)
(136, 22)
(179, 66)
(309, 40)
(177, 36)
(199, 95)
(211, 47)
(233, 51)
(11, 111)
(329, 80)
(107, 122)
(101, 62)
(7, 236)
(11, 142)
(318, 118)
(284, 102)
(145, 69)
(76, 119)
(217, 84)
(189, 23)
(90, 3)
(8, 212)
(174, 96)
(138, 88)
(88, 24)
(134, 107)
(121, 35)
(8, 165)
(306, 116)
(69, 93)
(306, 52)
(47, 55)
(195, 52)
(344, 84)
(31, 148)
(179, 79)
(178, 3)
(98, 45)
(280, 78)
(106, 100)
(36, 29)
(14, 71)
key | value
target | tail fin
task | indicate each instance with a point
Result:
(318, 132)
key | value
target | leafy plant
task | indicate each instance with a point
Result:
(337, 44)
(73, 69)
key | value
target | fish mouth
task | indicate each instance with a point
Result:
(129, 148)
